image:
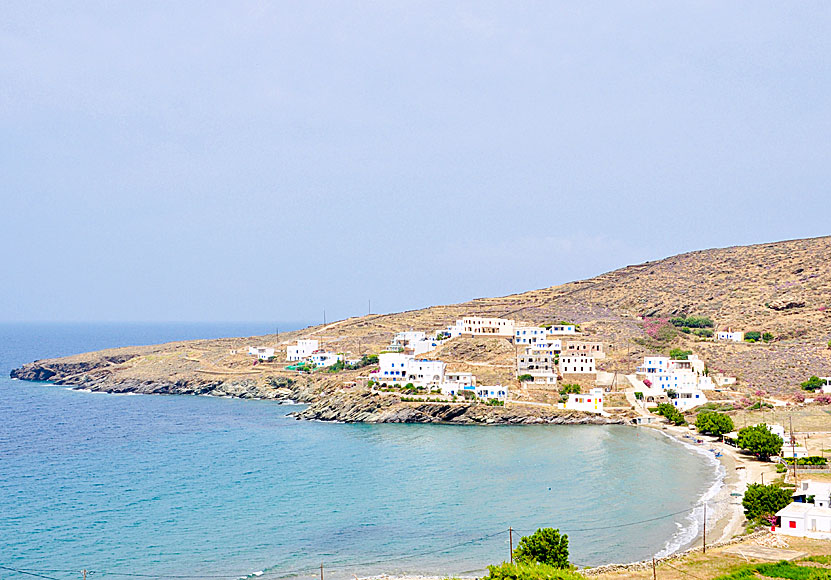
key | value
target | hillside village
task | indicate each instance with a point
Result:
(552, 364)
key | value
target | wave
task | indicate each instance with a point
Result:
(689, 528)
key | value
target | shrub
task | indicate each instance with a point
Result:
(713, 423)
(545, 546)
(812, 460)
(525, 378)
(679, 354)
(638, 396)
(704, 332)
(569, 389)
(752, 335)
(764, 500)
(522, 571)
(767, 337)
(814, 383)
(823, 399)
(759, 441)
(647, 382)
(671, 414)
(692, 322)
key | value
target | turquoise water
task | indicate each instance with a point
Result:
(199, 486)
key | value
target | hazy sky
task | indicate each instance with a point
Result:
(263, 161)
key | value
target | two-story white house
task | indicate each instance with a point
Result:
(684, 378)
(539, 363)
(399, 368)
(810, 514)
(302, 350)
(261, 352)
(497, 392)
(479, 326)
(323, 359)
(577, 364)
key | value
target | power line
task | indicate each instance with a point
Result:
(29, 573)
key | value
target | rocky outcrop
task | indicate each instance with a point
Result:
(372, 407)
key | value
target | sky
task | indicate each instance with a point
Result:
(249, 161)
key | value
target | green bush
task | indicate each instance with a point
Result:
(692, 322)
(767, 337)
(545, 546)
(713, 423)
(789, 570)
(812, 460)
(813, 384)
(764, 500)
(671, 414)
(523, 571)
(759, 441)
(525, 378)
(704, 332)
(679, 354)
(569, 389)
(752, 336)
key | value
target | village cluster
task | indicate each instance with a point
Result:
(545, 357)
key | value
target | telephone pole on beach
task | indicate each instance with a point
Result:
(511, 543)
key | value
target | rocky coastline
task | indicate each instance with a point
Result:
(326, 401)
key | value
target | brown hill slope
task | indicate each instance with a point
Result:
(783, 288)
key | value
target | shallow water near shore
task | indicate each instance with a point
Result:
(205, 486)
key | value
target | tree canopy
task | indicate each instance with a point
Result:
(713, 423)
(764, 500)
(545, 546)
(759, 441)
(814, 383)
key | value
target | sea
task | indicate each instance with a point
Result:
(151, 486)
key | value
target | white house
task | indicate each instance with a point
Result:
(731, 336)
(562, 329)
(497, 392)
(261, 352)
(684, 377)
(398, 368)
(820, 491)
(412, 342)
(478, 326)
(804, 520)
(539, 363)
(591, 402)
(325, 359)
(577, 364)
(463, 379)
(302, 350)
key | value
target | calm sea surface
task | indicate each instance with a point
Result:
(206, 487)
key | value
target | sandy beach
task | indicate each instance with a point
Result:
(726, 519)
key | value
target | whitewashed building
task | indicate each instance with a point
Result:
(478, 326)
(730, 336)
(413, 342)
(399, 368)
(577, 364)
(261, 352)
(539, 363)
(497, 392)
(684, 377)
(302, 350)
(819, 490)
(591, 402)
(322, 359)
(804, 520)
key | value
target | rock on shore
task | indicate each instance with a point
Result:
(371, 407)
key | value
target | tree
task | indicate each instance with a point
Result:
(713, 423)
(814, 383)
(525, 378)
(764, 500)
(671, 414)
(570, 388)
(679, 354)
(545, 546)
(759, 441)
(752, 336)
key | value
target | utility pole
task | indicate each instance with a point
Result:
(85, 575)
(704, 535)
(793, 452)
(511, 543)
(369, 307)
(321, 571)
(654, 573)
(324, 317)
